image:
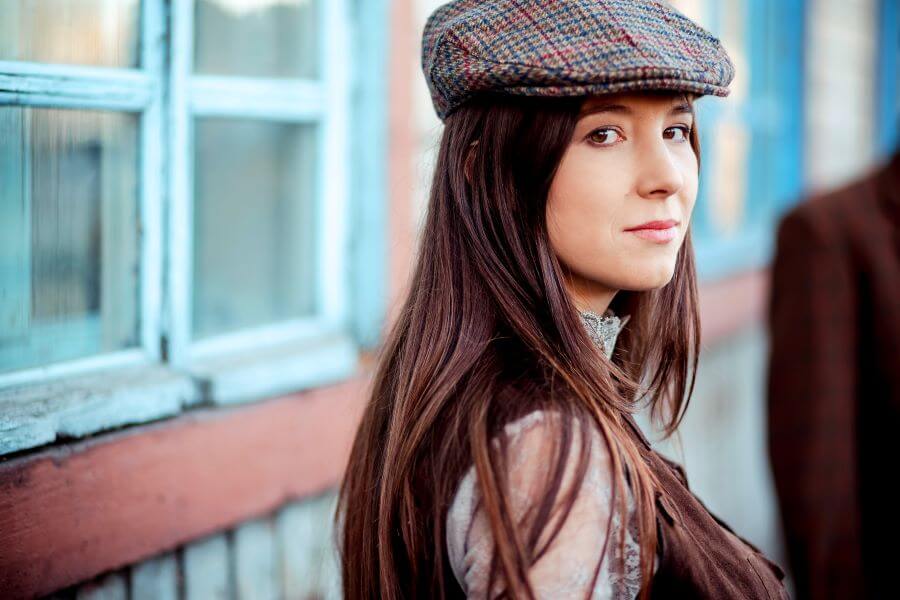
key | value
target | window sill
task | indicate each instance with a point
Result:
(75, 406)
(80, 405)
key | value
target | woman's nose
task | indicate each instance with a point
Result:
(659, 175)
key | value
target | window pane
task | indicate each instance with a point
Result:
(257, 38)
(88, 32)
(68, 234)
(254, 228)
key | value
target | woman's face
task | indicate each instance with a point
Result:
(629, 170)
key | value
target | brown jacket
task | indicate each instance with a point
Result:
(700, 555)
(834, 386)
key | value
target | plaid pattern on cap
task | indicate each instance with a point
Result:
(567, 48)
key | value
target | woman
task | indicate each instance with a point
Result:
(554, 293)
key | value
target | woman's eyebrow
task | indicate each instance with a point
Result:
(682, 108)
(605, 108)
(678, 109)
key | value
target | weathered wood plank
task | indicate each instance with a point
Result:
(111, 501)
(155, 579)
(305, 541)
(109, 587)
(255, 565)
(206, 567)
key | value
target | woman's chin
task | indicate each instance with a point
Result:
(646, 279)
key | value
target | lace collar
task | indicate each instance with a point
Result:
(604, 329)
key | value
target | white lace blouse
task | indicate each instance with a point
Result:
(568, 568)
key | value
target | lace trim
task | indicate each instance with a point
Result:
(605, 329)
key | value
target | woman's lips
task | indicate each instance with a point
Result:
(659, 236)
(656, 231)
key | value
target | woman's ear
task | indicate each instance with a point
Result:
(470, 158)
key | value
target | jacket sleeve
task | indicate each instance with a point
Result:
(571, 564)
(812, 401)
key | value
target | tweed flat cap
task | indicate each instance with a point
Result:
(567, 48)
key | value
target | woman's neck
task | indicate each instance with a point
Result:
(589, 295)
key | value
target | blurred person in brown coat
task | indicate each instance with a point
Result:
(834, 387)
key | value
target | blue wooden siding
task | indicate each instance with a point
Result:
(888, 105)
(771, 116)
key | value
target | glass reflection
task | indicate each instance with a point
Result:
(101, 33)
(69, 253)
(254, 224)
(257, 38)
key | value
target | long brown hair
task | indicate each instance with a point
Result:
(487, 333)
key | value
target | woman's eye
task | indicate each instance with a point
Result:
(678, 134)
(604, 137)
